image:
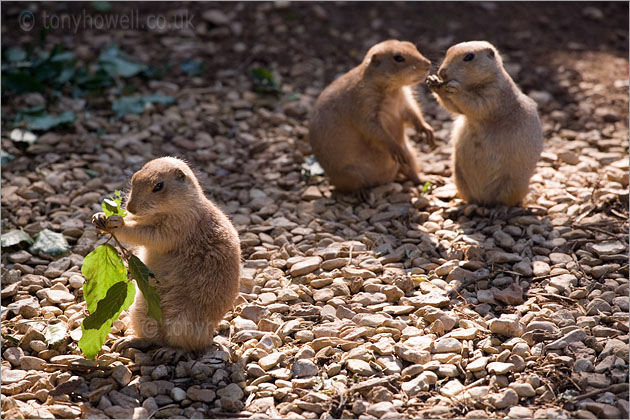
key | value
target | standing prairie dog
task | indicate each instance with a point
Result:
(497, 138)
(357, 127)
(191, 247)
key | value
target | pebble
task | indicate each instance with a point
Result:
(507, 398)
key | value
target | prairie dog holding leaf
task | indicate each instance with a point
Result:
(191, 247)
(497, 137)
(357, 127)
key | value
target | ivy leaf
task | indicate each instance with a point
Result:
(102, 268)
(136, 104)
(46, 121)
(141, 273)
(112, 206)
(101, 6)
(51, 243)
(116, 65)
(15, 54)
(15, 237)
(54, 333)
(22, 82)
(192, 67)
(118, 298)
(6, 157)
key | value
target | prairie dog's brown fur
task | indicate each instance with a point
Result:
(357, 127)
(497, 138)
(190, 245)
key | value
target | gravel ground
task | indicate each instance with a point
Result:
(414, 305)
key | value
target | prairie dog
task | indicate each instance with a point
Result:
(357, 127)
(497, 138)
(190, 245)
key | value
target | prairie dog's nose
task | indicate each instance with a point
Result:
(443, 74)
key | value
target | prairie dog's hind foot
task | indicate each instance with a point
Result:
(139, 343)
(171, 355)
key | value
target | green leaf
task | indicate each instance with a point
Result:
(10, 338)
(128, 105)
(136, 104)
(141, 273)
(113, 205)
(54, 333)
(160, 99)
(101, 6)
(51, 243)
(192, 67)
(264, 81)
(92, 341)
(116, 66)
(15, 54)
(46, 121)
(102, 268)
(118, 298)
(100, 79)
(15, 237)
(6, 157)
(22, 82)
(427, 187)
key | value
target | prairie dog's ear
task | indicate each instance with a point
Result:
(179, 175)
(491, 53)
(375, 60)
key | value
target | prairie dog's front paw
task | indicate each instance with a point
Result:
(434, 82)
(107, 224)
(452, 86)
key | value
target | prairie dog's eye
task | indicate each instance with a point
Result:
(469, 57)
(399, 58)
(158, 186)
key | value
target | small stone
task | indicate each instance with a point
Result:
(523, 390)
(379, 410)
(304, 368)
(305, 266)
(195, 393)
(451, 388)
(603, 411)
(577, 335)
(505, 399)
(506, 325)
(512, 295)
(447, 345)
(231, 393)
(607, 248)
(178, 394)
(59, 296)
(500, 257)
(500, 368)
(518, 412)
(122, 375)
(270, 360)
(11, 376)
(32, 363)
(359, 367)
(477, 364)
